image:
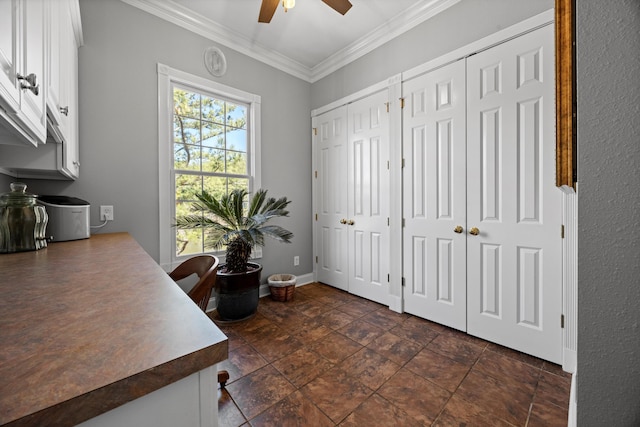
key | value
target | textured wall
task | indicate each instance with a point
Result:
(608, 382)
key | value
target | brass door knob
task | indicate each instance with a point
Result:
(351, 222)
(343, 221)
(474, 231)
(458, 229)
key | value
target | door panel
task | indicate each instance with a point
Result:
(514, 262)
(434, 180)
(368, 196)
(331, 146)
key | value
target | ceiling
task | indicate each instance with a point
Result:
(309, 41)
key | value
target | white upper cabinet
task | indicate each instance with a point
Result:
(62, 93)
(23, 56)
(46, 117)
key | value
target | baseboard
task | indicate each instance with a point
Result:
(569, 360)
(573, 407)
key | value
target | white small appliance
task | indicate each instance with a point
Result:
(68, 218)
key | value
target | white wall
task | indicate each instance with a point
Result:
(118, 126)
(608, 74)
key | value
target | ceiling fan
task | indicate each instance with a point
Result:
(269, 7)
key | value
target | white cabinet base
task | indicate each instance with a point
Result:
(190, 402)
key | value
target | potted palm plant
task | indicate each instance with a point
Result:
(230, 223)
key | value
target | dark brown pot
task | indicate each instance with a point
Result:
(238, 294)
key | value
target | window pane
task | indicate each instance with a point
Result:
(187, 186)
(212, 109)
(236, 115)
(236, 163)
(237, 140)
(188, 242)
(212, 135)
(212, 160)
(216, 185)
(186, 130)
(238, 183)
(186, 157)
(186, 103)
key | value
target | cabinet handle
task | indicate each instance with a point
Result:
(32, 80)
(64, 110)
(76, 163)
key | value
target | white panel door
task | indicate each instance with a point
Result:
(514, 262)
(331, 198)
(434, 206)
(368, 197)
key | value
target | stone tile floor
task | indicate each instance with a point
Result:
(329, 358)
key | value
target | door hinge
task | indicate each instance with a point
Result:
(315, 131)
(388, 278)
(401, 102)
(562, 321)
(402, 222)
(316, 259)
(388, 166)
(403, 282)
(388, 222)
(387, 104)
(316, 173)
(562, 231)
(403, 163)
(316, 217)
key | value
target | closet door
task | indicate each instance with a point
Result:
(368, 197)
(434, 206)
(331, 198)
(514, 209)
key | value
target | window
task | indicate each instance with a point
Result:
(208, 140)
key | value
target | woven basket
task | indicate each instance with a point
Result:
(282, 286)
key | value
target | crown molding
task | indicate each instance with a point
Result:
(183, 17)
(177, 14)
(396, 26)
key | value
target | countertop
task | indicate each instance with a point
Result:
(88, 325)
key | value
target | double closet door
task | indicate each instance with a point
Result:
(482, 248)
(352, 197)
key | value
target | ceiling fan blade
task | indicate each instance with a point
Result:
(267, 10)
(340, 6)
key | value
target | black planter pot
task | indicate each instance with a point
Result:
(237, 294)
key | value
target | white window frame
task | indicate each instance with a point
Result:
(168, 76)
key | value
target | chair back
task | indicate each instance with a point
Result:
(206, 268)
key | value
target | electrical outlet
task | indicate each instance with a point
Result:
(106, 213)
(296, 260)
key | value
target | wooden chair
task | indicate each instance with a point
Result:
(206, 268)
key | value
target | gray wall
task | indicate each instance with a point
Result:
(608, 381)
(119, 126)
(464, 23)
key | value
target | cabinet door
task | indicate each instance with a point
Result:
(56, 17)
(33, 102)
(9, 48)
(69, 102)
